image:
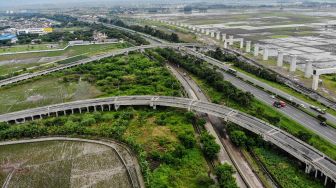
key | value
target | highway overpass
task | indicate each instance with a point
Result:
(327, 133)
(315, 160)
(27, 76)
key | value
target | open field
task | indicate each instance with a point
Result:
(298, 31)
(31, 47)
(61, 164)
(155, 135)
(71, 51)
(123, 75)
(23, 61)
(50, 90)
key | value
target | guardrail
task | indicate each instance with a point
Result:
(314, 159)
(22, 77)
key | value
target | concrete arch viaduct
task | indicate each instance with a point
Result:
(315, 160)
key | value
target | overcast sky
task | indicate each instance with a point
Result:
(18, 3)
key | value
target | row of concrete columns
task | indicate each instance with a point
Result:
(265, 50)
(309, 169)
(67, 112)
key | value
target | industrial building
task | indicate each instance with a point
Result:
(8, 36)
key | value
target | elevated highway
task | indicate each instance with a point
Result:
(314, 160)
(241, 56)
(287, 81)
(22, 77)
(301, 117)
(326, 132)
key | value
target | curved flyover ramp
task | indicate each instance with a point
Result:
(314, 159)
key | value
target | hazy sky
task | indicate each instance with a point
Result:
(18, 3)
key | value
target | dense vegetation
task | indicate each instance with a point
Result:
(173, 37)
(246, 139)
(285, 170)
(126, 75)
(211, 76)
(251, 106)
(210, 147)
(134, 74)
(167, 151)
(258, 71)
(225, 179)
(68, 21)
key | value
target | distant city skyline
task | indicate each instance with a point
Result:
(26, 3)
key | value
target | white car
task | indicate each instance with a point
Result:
(272, 96)
(302, 106)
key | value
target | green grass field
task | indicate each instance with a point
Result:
(49, 90)
(70, 52)
(31, 47)
(123, 75)
(285, 169)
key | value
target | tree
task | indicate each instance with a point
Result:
(210, 147)
(239, 138)
(187, 140)
(304, 136)
(224, 174)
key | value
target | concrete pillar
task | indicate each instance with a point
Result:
(231, 40)
(292, 67)
(218, 35)
(256, 49)
(265, 54)
(280, 58)
(212, 34)
(223, 37)
(308, 69)
(207, 32)
(315, 82)
(198, 29)
(193, 28)
(248, 46)
(241, 43)
(202, 30)
(316, 171)
(225, 44)
(325, 180)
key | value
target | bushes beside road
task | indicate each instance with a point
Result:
(258, 71)
(211, 76)
(143, 29)
(253, 107)
(167, 152)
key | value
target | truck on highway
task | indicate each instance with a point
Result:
(279, 104)
(232, 71)
(319, 110)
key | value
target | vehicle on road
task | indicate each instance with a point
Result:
(279, 104)
(232, 71)
(319, 110)
(272, 96)
(323, 123)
